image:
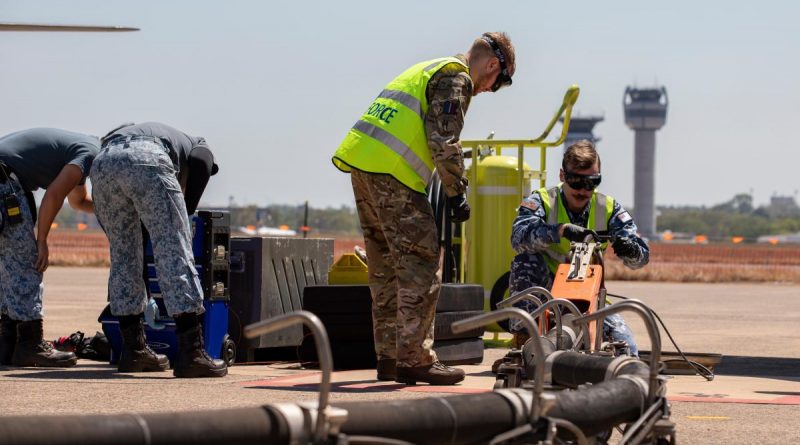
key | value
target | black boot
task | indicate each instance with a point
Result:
(192, 360)
(8, 338)
(136, 356)
(32, 350)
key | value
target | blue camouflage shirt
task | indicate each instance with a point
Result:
(531, 234)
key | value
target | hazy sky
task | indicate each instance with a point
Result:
(274, 86)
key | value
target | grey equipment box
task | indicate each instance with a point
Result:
(268, 275)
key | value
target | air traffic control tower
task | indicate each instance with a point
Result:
(581, 127)
(645, 112)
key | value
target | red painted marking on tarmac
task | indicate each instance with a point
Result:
(786, 400)
(445, 389)
(299, 381)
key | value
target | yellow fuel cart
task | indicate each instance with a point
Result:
(479, 251)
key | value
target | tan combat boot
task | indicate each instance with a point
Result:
(435, 374)
(387, 369)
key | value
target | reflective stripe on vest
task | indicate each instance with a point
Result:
(398, 146)
(390, 136)
(556, 213)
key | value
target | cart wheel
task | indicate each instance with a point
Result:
(228, 351)
(499, 293)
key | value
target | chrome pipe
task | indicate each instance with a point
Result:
(313, 323)
(526, 319)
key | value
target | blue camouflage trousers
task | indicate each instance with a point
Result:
(21, 285)
(530, 269)
(134, 183)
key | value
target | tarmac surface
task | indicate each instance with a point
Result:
(755, 397)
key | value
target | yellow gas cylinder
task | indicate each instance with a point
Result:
(494, 201)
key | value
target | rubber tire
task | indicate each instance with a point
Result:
(459, 352)
(346, 354)
(335, 299)
(443, 320)
(498, 294)
(359, 332)
(460, 297)
(228, 354)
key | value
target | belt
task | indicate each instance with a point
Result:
(122, 139)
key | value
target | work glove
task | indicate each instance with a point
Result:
(577, 233)
(625, 248)
(459, 209)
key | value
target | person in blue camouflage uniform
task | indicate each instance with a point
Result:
(59, 162)
(136, 180)
(531, 235)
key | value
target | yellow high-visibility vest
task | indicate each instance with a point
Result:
(556, 253)
(390, 136)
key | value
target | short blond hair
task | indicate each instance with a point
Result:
(503, 41)
(580, 156)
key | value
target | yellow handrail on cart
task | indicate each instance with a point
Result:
(565, 110)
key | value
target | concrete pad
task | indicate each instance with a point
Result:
(753, 399)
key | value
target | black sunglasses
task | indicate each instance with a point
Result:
(503, 78)
(585, 182)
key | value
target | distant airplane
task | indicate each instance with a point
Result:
(40, 27)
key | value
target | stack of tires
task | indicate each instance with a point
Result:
(346, 312)
(458, 302)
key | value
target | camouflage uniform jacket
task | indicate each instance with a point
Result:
(531, 234)
(449, 93)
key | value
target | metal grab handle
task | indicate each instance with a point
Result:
(528, 295)
(525, 295)
(313, 323)
(644, 312)
(526, 319)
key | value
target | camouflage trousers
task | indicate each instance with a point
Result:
(530, 269)
(403, 258)
(21, 287)
(134, 183)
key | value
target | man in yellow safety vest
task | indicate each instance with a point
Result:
(412, 127)
(549, 219)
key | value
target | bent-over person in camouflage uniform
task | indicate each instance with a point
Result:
(59, 162)
(536, 232)
(138, 178)
(412, 127)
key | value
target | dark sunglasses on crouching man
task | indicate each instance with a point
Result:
(582, 182)
(503, 78)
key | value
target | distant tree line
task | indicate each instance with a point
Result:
(736, 217)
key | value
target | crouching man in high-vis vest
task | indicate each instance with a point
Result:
(549, 219)
(412, 127)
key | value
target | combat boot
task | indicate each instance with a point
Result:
(136, 356)
(193, 360)
(517, 342)
(32, 350)
(387, 369)
(8, 338)
(435, 374)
